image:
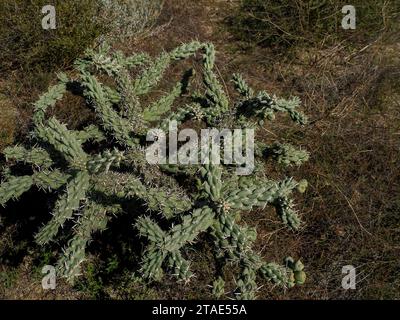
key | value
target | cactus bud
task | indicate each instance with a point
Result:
(300, 277)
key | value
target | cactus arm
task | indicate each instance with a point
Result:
(63, 141)
(178, 236)
(113, 96)
(180, 267)
(119, 127)
(166, 200)
(163, 105)
(233, 243)
(151, 76)
(242, 87)
(258, 193)
(135, 160)
(35, 156)
(138, 59)
(130, 105)
(149, 229)
(180, 115)
(218, 289)
(277, 274)
(286, 154)
(94, 219)
(246, 285)
(212, 184)
(187, 231)
(231, 240)
(113, 65)
(49, 99)
(102, 61)
(263, 106)
(186, 50)
(169, 202)
(151, 265)
(103, 162)
(14, 187)
(290, 107)
(289, 216)
(217, 100)
(50, 179)
(90, 133)
(261, 193)
(65, 207)
(251, 195)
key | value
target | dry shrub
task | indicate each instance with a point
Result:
(283, 23)
(127, 18)
(25, 44)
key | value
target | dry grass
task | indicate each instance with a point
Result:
(130, 18)
(283, 23)
(8, 117)
(26, 46)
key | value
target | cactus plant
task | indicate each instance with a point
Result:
(96, 168)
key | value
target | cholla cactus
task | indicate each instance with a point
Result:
(92, 185)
